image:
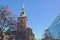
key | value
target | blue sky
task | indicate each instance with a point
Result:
(40, 13)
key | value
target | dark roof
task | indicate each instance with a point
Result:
(11, 33)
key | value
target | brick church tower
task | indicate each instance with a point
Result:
(23, 32)
(22, 21)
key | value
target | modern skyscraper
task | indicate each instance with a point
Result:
(54, 29)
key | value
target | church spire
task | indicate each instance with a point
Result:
(23, 6)
(23, 14)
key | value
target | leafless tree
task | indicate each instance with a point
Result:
(47, 35)
(7, 19)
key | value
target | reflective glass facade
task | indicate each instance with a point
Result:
(54, 28)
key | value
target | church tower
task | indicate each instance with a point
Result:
(23, 32)
(22, 21)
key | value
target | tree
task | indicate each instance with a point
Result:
(47, 35)
(6, 19)
(33, 36)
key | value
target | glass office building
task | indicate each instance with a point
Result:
(54, 28)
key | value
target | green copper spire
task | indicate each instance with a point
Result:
(23, 14)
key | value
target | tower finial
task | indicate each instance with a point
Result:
(23, 14)
(23, 6)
